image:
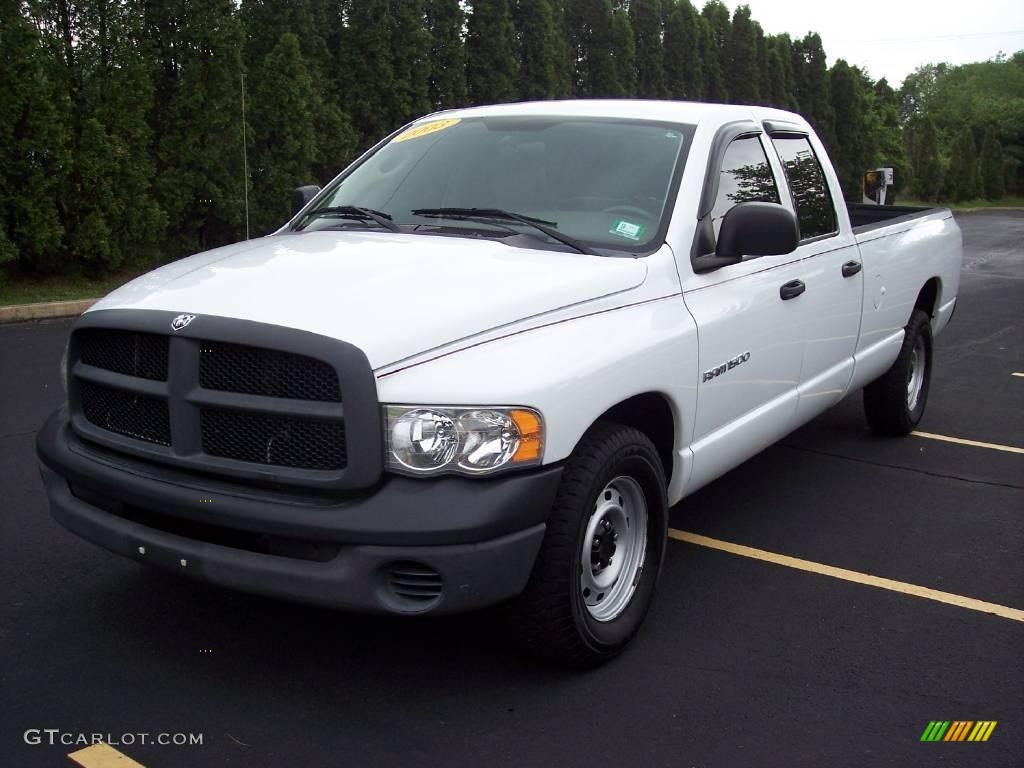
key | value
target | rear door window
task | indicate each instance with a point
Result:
(744, 177)
(814, 208)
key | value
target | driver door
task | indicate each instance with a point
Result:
(750, 338)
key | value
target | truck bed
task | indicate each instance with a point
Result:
(903, 248)
(865, 217)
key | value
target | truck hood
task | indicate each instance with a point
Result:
(393, 295)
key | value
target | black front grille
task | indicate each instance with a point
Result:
(269, 372)
(129, 352)
(127, 413)
(239, 399)
(264, 439)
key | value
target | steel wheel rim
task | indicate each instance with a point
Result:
(915, 382)
(614, 548)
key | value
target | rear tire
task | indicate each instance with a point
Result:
(894, 403)
(602, 552)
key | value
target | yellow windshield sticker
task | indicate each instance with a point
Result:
(425, 129)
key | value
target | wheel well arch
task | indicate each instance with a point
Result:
(652, 414)
(928, 298)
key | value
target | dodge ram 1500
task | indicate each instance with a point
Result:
(481, 364)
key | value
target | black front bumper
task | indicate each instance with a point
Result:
(480, 537)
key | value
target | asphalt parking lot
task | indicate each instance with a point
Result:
(742, 661)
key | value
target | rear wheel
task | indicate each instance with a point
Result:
(602, 552)
(895, 402)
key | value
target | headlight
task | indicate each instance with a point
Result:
(424, 440)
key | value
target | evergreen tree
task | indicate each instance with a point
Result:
(410, 62)
(164, 23)
(108, 210)
(774, 95)
(284, 146)
(447, 80)
(200, 181)
(911, 143)
(539, 65)
(927, 170)
(742, 73)
(337, 140)
(715, 50)
(763, 75)
(962, 178)
(624, 54)
(883, 134)
(574, 17)
(32, 148)
(122, 93)
(645, 16)
(491, 66)
(811, 87)
(311, 21)
(849, 156)
(565, 64)
(684, 75)
(89, 197)
(717, 16)
(366, 73)
(992, 172)
(593, 48)
(316, 25)
(711, 54)
(779, 91)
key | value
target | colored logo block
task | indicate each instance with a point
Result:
(959, 730)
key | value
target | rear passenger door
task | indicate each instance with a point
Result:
(829, 267)
(750, 338)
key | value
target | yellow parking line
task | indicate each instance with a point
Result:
(975, 443)
(855, 576)
(102, 756)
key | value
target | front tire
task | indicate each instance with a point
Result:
(602, 552)
(894, 403)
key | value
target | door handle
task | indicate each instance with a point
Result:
(851, 268)
(792, 289)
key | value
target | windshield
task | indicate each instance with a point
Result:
(603, 182)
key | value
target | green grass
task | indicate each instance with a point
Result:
(27, 290)
(1010, 201)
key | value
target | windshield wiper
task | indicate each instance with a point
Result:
(497, 214)
(354, 212)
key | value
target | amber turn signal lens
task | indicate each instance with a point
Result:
(530, 440)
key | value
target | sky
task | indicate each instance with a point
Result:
(891, 39)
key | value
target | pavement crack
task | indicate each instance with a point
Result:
(19, 434)
(916, 470)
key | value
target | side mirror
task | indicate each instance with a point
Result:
(751, 229)
(757, 229)
(302, 195)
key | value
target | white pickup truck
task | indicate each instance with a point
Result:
(482, 363)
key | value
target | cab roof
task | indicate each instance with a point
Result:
(685, 112)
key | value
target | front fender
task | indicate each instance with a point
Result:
(571, 370)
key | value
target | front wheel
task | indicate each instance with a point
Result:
(894, 403)
(602, 552)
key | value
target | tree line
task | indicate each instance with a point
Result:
(964, 129)
(121, 122)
